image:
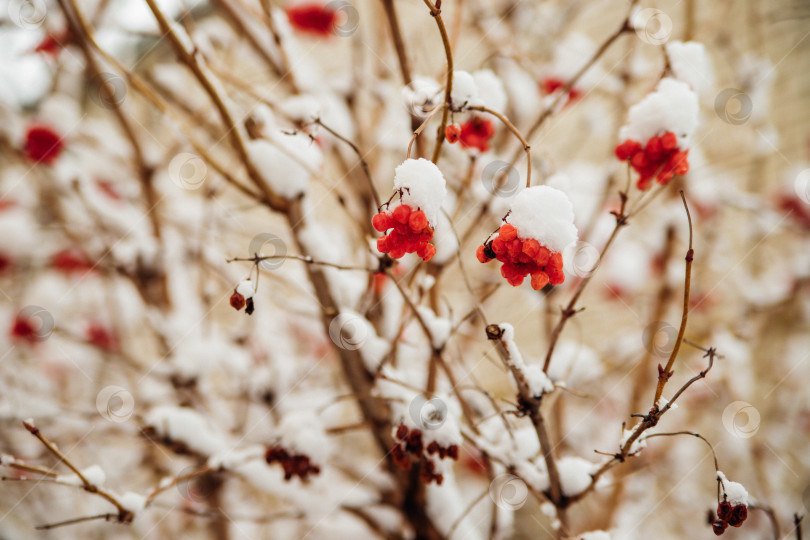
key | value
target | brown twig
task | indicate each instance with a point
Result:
(436, 13)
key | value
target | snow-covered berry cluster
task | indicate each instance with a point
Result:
(294, 464)
(421, 188)
(660, 158)
(733, 509)
(409, 444)
(410, 232)
(540, 224)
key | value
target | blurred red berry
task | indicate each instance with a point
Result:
(312, 18)
(476, 133)
(452, 133)
(42, 144)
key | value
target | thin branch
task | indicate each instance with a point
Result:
(256, 259)
(436, 13)
(665, 373)
(48, 526)
(363, 162)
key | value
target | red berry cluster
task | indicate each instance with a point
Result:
(660, 158)
(238, 302)
(476, 133)
(523, 257)
(312, 18)
(729, 515)
(294, 464)
(42, 144)
(552, 84)
(411, 232)
(410, 442)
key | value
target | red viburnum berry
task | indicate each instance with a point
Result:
(452, 133)
(312, 18)
(476, 133)
(237, 301)
(738, 515)
(42, 144)
(719, 526)
(724, 510)
(409, 232)
(659, 158)
(523, 257)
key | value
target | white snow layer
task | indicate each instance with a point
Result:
(673, 106)
(246, 288)
(691, 64)
(423, 186)
(575, 475)
(594, 535)
(465, 91)
(735, 492)
(286, 163)
(545, 214)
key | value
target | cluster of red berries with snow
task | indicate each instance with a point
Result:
(656, 136)
(659, 158)
(421, 188)
(411, 232)
(294, 464)
(728, 514)
(523, 257)
(540, 224)
(242, 297)
(733, 509)
(409, 444)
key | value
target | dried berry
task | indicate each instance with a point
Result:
(237, 301)
(719, 526)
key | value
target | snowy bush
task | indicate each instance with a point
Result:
(413, 269)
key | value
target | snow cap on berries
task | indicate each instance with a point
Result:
(422, 185)
(246, 288)
(490, 89)
(545, 214)
(465, 91)
(691, 64)
(672, 107)
(735, 492)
